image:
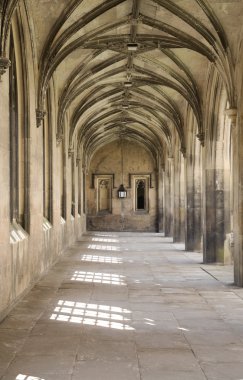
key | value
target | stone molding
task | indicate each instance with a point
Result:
(232, 115)
(183, 151)
(70, 152)
(201, 138)
(59, 138)
(5, 63)
(78, 159)
(39, 117)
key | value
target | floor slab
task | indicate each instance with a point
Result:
(128, 307)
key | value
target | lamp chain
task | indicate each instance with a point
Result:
(122, 157)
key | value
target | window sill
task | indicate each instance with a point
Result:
(17, 233)
(46, 225)
(141, 212)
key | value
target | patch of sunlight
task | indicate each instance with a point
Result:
(98, 278)
(149, 322)
(112, 317)
(102, 259)
(14, 237)
(104, 247)
(106, 235)
(46, 225)
(182, 328)
(63, 221)
(105, 240)
(27, 377)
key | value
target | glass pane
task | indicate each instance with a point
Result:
(140, 195)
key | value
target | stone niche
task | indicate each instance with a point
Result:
(138, 211)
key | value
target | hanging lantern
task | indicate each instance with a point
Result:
(122, 193)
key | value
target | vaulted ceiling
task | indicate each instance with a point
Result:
(132, 67)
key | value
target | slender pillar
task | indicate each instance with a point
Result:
(179, 202)
(169, 197)
(160, 184)
(193, 228)
(6, 260)
(215, 212)
(237, 238)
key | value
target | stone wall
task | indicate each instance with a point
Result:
(123, 215)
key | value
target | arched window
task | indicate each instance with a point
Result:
(79, 187)
(84, 191)
(141, 184)
(140, 198)
(72, 182)
(18, 134)
(140, 194)
(104, 193)
(47, 162)
(62, 162)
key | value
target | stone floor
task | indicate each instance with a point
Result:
(126, 306)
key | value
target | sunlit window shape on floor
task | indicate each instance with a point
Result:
(107, 316)
(27, 377)
(104, 247)
(183, 329)
(98, 278)
(106, 235)
(149, 321)
(102, 259)
(105, 240)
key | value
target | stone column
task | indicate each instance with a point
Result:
(193, 228)
(176, 202)
(169, 197)
(179, 202)
(214, 213)
(6, 259)
(237, 238)
(160, 186)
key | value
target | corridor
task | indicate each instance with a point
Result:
(126, 306)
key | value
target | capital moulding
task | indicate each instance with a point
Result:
(39, 117)
(70, 152)
(5, 63)
(232, 115)
(201, 137)
(183, 151)
(59, 138)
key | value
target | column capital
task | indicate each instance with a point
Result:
(5, 63)
(183, 151)
(232, 115)
(59, 138)
(39, 117)
(201, 137)
(70, 152)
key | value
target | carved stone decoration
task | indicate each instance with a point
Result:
(70, 152)
(140, 183)
(39, 117)
(183, 151)
(4, 65)
(59, 138)
(201, 137)
(232, 115)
